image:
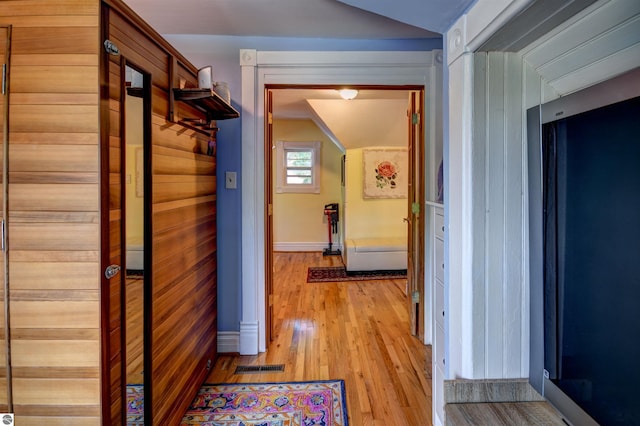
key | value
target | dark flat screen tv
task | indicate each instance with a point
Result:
(584, 218)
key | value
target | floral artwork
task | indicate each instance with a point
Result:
(385, 173)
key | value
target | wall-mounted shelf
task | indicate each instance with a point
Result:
(207, 101)
(198, 125)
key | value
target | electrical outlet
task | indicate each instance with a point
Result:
(230, 180)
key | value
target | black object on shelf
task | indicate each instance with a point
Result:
(332, 213)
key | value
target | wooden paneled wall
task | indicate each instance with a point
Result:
(64, 140)
(53, 211)
(183, 222)
(5, 36)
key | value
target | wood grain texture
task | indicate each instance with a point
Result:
(54, 353)
(53, 158)
(182, 278)
(355, 331)
(61, 142)
(53, 40)
(68, 78)
(503, 414)
(5, 37)
(48, 391)
(53, 222)
(53, 21)
(54, 118)
(134, 330)
(55, 197)
(66, 8)
(62, 420)
(74, 138)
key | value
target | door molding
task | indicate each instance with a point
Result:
(263, 68)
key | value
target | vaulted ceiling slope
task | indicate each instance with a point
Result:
(280, 18)
(434, 15)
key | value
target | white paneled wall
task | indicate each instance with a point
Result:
(487, 330)
(489, 93)
(597, 44)
(486, 283)
(498, 218)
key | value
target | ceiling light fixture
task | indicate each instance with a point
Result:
(348, 93)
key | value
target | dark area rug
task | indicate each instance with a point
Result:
(323, 274)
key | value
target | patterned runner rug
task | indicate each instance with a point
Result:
(339, 273)
(270, 404)
(135, 405)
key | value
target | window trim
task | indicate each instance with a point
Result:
(281, 167)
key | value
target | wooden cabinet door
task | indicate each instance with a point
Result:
(5, 373)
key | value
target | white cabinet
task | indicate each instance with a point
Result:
(437, 284)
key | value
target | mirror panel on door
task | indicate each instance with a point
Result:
(134, 248)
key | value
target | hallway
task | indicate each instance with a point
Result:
(356, 331)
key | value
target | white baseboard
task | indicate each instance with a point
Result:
(248, 338)
(302, 246)
(228, 342)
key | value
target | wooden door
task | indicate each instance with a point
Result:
(268, 238)
(5, 370)
(415, 217)
(129, 179)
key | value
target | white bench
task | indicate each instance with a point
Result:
(375, 254)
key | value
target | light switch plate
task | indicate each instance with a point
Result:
(230, 180)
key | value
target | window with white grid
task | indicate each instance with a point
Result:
(298, 167)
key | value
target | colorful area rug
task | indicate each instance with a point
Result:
(321, 403)
(135, 405)
(325, 274)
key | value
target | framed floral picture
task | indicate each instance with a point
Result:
(385, 173)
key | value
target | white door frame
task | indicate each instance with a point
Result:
(260, 68)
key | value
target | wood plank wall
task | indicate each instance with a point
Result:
(5, 36)
(183, 274)
(53, 219)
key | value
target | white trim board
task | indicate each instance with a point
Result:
(228, 342)
(339, 68)
(304, 246)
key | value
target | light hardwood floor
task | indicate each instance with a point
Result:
(134, 330)
(356, 331)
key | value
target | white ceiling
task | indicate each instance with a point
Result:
(296, 103)
(375, 117)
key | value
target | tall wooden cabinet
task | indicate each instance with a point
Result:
(5, 49)
(64, 216)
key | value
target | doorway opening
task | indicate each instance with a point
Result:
(285, 68)
(381, 118)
